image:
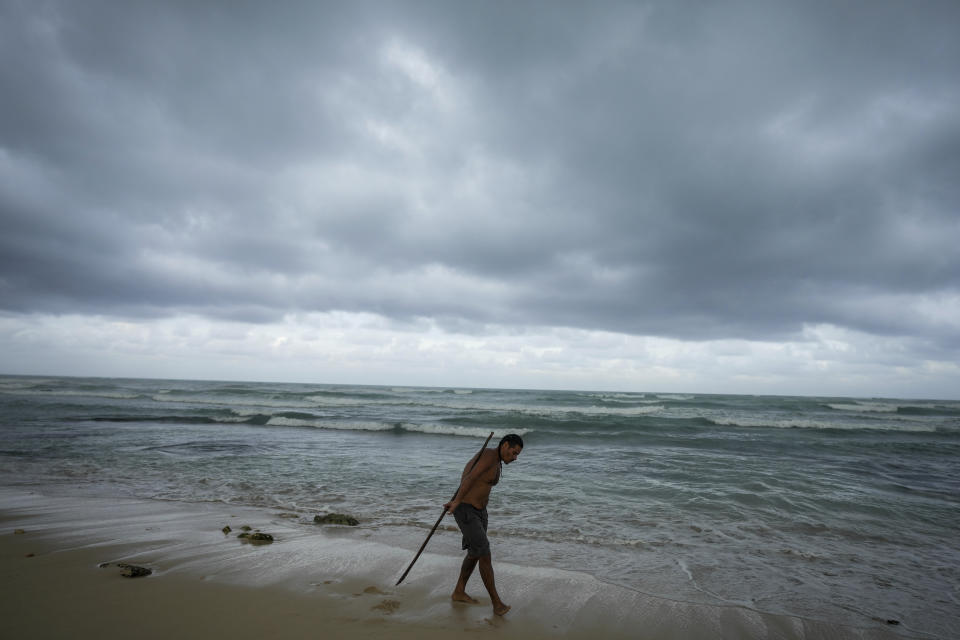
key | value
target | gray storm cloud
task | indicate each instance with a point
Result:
(671, 169)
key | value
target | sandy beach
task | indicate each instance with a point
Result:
(311, 581)
(206, 582)
(54, 586)
(63, 594)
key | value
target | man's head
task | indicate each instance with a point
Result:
(510, 447)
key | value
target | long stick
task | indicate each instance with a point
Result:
(430, 535)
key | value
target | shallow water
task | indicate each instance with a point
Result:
(834, 509)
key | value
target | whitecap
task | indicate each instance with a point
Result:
(866, 407)
(235, 400)
(451, 430)
(280, 421)
(112, 395)
(794, 423)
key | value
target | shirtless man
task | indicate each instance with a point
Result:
(469, 508)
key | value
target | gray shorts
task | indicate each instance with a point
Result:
(473, 525)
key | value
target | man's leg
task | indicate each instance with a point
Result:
(466, 570)
(486, 574)
(473, 524)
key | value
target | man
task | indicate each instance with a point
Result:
(469, 508)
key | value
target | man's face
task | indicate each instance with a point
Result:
(509, 453)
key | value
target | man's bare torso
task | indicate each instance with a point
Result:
(479, 493)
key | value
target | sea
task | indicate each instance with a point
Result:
(839, 510)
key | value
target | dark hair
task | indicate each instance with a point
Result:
(511, 438)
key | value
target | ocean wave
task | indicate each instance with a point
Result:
(795, 423)
(246, 417)
(454, 399)
(245, 413)
(634, 400)
(575, 535)
(430, 390)
(205, 448)
(615, 411)
(866, 407)
(618, 397)
(933, 409)
(410, 427)
(253, 418)
(220, 400)
(472, 432)
(342, 401)
(25, 383)
(67, 393)
(239, 419)
(585, 433)
(555, 536)
(544, 411)
(280, 421)
(181, 419)
(675, 397)
(16, 387)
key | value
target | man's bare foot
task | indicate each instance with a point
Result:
(463, 597)
(501, 609)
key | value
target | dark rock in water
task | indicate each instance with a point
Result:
(226, 530)
(18, 532)
(132, 571)
(246, 527)
(256, 537)
(128, 570)
(893, 622)
(336, 518)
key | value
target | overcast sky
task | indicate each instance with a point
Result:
(745, 197)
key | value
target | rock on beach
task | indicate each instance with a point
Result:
(336, 518)
(256, 537)
(129, 570)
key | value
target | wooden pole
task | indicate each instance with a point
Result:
(430, 535)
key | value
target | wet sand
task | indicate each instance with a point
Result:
(204, 583)
(311, 581)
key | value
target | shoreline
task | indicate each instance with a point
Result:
(310, 580)
(55, 586)
(61, 594)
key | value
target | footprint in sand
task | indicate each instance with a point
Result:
(387, 606)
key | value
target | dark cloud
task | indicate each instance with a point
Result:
(675, 168)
